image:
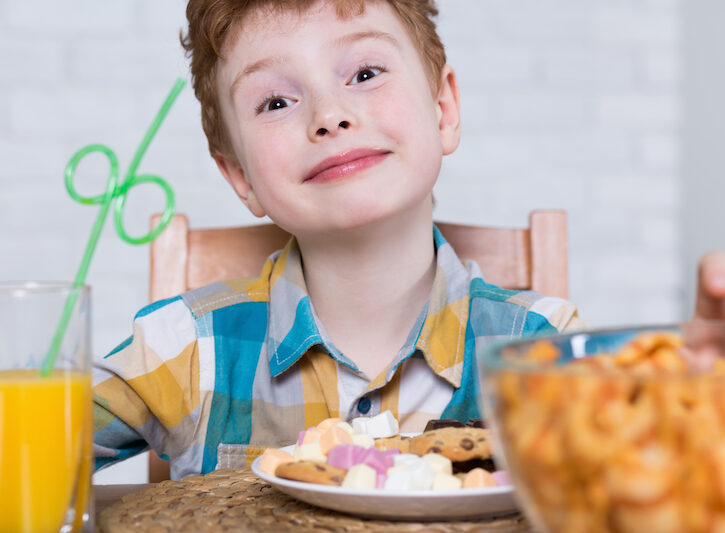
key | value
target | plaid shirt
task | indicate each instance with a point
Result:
(211, 378)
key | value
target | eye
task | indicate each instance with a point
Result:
(366, 73)
(273, 103)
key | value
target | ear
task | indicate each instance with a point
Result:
(449, 111)
(234, 174)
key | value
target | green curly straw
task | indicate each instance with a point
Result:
(116, 195)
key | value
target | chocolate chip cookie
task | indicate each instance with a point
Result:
(400, 442)
(458, 444)
(311, 472)
(440, 423)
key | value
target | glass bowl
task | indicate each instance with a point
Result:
(618, 430)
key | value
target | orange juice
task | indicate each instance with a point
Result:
(45, 449)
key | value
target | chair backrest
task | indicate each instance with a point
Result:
(513, 258)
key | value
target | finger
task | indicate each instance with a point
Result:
(711, 286)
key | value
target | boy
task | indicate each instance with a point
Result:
(332, 118)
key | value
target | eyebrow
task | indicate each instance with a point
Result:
(361, 35)
(262, 64)
(350, 38)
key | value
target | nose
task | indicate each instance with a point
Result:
(322, 131)
(329, 118)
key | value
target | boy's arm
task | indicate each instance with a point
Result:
(710, 301)
(551, 315)
(146, 389)
(113, 439)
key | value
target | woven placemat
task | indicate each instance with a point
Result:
(237, 500)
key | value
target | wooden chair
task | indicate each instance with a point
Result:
(513, 258)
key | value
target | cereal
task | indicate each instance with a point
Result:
(628, 442)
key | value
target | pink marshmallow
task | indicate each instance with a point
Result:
(502, 477)
(345, 456)
(378, 460)
(380, 481)
(301, 437)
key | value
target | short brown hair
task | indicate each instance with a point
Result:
(213, 22)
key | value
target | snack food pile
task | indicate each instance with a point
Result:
(370, 453)
(628, 442)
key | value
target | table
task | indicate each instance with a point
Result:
(236, 500)
(106, 495)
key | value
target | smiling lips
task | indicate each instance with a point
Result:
(345, 164)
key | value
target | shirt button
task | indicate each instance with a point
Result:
(363, 405)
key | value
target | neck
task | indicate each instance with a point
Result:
(369, 285)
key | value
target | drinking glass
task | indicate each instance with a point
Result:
(45, 416)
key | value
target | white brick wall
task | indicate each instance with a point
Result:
(566, 103)
(575, 105)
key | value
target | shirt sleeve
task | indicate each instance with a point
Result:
(551, 315)
(146, 391)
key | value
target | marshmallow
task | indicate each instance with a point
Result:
(423, 475)
(439, 463)
(393, 469)
(310, 451)
(360, 425)
(383, 425)
(327, 423)
(443, 481)
(334, 436)
(347, 427)
(272, 458)
(361, 439)
(378, 460)
(346, 456)
(311, 435)
(478, 477)
(378, 426)
(416, 476)
(405, 459)
(399, 481)
(502, 477)
(360, 477)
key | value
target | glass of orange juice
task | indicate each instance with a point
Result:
(45, 417)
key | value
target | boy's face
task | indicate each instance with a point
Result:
(332, 121)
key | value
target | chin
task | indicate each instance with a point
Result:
(366, 219)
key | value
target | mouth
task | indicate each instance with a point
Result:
(346, 164)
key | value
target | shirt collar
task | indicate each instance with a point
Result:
(439, 333)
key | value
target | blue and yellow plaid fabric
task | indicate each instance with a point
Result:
(211, 378)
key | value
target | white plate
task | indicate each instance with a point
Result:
(415, 505)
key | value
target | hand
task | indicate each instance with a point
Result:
(710, 301)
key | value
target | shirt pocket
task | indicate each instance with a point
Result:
(237, 455)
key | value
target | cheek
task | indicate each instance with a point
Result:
(409, 117)
(265, 151)
(411, 123)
